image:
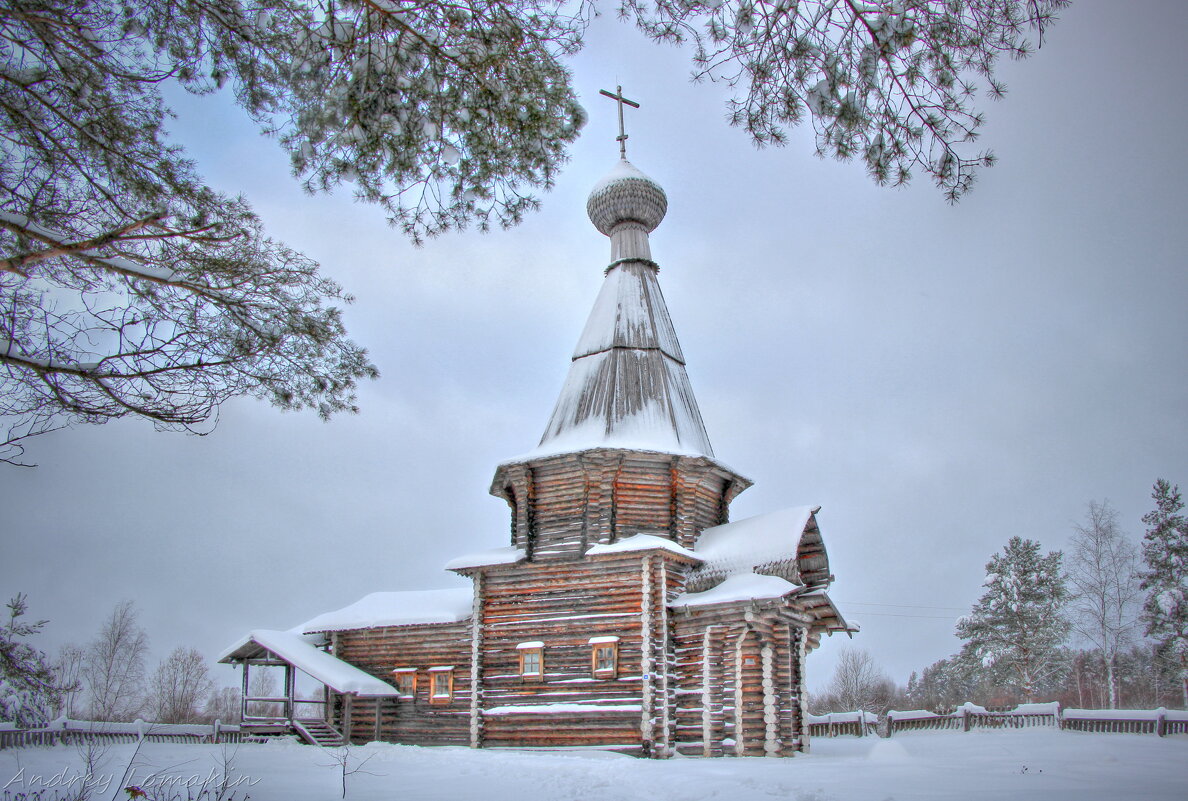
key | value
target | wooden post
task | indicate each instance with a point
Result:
(347, 703)
(476, 665)
(290, 691)
(1161, 723)
(646, 727)
(243, 704)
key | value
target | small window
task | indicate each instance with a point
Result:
(531, 659)
(604, 656)
(441, 685)
(406, 682)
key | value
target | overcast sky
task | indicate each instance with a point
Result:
(938, 378)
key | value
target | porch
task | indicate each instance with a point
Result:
(310, 719)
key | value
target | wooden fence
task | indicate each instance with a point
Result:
(1160, 722)
(836, 724)
(76, 731)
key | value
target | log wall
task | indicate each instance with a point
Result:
(417, 720)
(739, 682)
(563, 504)
(619, 595)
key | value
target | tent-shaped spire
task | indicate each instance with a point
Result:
(627, 386)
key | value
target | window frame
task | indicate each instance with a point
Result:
(598, 644)
(434, 676)
(409, 675)
(534, 647)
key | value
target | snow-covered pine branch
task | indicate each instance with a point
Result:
(892, 83)
(126, 286)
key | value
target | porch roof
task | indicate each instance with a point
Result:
(302, 654)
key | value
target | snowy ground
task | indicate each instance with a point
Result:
(1019, 765)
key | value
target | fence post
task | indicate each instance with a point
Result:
(1161, 723)
(964, 719)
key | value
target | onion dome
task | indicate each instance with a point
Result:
(626, 195)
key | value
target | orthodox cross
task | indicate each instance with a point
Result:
(618, 98)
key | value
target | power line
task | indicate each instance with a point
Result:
(904, 606)
(894, 614)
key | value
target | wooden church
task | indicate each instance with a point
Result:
(626, 612)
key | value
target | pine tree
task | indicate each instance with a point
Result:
(1016, 628)
(27, 686)
(1165, 552)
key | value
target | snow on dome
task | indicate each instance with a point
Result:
(396, 609)
(626, 195)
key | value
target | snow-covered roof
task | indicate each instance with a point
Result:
(507, 555)
(740, 587)
(783, 543)
(396, 609)
(301, 654)
(627, 386)
(643, 542)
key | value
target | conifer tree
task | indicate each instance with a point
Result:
(1165, 552)
(1016, 628)
(27, 685)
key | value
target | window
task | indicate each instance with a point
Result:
(406, 682)
(441, 685)
(604, 657)
(531, 659)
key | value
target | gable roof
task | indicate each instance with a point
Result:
(785, 543)
(302, 654)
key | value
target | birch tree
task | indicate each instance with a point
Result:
(179, 686)
(1104, 583)
(1016, 628)
(68, 674)
(858, 683)
(113, 673)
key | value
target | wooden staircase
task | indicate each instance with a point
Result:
(316, 731)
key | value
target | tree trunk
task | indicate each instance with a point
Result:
(1109, 666)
